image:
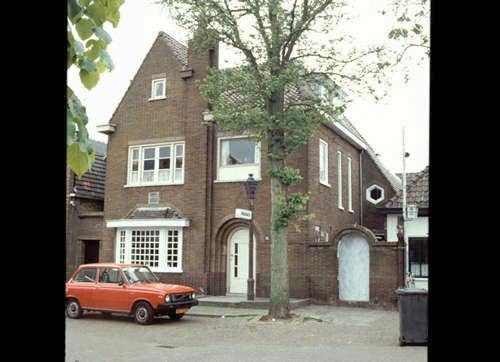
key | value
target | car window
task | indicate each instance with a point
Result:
(87, 275)
(110, 275)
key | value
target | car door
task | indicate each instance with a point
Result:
(83, 287)
(109, 294)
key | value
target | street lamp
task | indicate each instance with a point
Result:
(251, 186)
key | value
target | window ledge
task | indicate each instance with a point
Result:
(148, 185)
(325, 184)
(243, 180)
(156, 99)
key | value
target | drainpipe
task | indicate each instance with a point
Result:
(361, 187)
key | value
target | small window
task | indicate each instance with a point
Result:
(323, 162)
(418, 257)
(87, 275)
(339, 179)
(153, 198)
(110, 275)
(237, 157)
(375, 194)
(158, 88)
(349, 184)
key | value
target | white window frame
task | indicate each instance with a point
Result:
(155, 182)
(349, 183)
(370, 199)
(153, 83)
(162, 265)
(240, 172)
(323, 162)
(339, 179)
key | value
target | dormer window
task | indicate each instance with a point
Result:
(158, 89)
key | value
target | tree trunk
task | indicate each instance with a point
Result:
(279, 304)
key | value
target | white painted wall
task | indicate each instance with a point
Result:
(392, 228)
(418, 227)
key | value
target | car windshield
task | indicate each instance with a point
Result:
(140, 274)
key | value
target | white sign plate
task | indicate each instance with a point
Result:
(243, 214)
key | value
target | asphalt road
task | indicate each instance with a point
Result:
(321, 333)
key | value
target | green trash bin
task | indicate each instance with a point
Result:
(412, 304)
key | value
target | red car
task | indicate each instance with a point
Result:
(125, 288)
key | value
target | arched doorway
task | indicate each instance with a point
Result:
(237, 267)
(353, 254)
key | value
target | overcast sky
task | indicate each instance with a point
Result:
(380, 123)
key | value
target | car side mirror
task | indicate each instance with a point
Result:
(121, 283)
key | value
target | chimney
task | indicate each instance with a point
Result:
(201, 58)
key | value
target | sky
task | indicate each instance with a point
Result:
(380, 123)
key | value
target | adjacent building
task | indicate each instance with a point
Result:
(173, 184)
(84, 212)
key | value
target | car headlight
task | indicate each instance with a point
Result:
(167, 298)
(193, 295)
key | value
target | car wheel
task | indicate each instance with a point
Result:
(73, 309)
(143, 313)
(175, 316)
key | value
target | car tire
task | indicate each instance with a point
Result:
(143, 313)
(175, 316)
(73, 309)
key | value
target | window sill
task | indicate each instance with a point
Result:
(244, 180)
(325, 184)
(156, 99)
(148, 185)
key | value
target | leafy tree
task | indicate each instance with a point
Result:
(273, 95)
(87, 43)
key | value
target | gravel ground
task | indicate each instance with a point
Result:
(319, 333)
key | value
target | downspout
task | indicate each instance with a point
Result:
(361, 187)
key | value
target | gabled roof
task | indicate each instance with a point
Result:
(91, 184)
(180, 50)
(417, 192)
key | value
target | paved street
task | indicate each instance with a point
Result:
(321, 333)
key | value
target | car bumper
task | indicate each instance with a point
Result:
(166, 308)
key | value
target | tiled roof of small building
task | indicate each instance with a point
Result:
(180, 50)
(417, 192)
(91, 184)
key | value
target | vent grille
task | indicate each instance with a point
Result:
(153, 198)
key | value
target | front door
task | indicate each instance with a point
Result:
(238, 261)
(354, 268)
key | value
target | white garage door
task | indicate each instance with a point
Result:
(354, 268)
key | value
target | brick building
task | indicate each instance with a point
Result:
(173, 184)
(84, 212)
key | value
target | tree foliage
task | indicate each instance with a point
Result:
(272, 96)
(86, 49)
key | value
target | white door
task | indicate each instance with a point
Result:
(238, 261)
(354, 268)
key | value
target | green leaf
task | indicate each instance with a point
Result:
(95, 46)
(97, 12)
(75, 11)
(80, 162)
(84, 28)
(70, 128)
(101, 66)
(102, 34)
(89, 79)
(79, 49)
(106, 59)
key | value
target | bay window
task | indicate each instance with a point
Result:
(159, 248)
(153, 164)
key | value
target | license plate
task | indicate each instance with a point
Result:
(181, 310)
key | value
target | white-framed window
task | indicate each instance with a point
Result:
(153, 198)
(339, 178)
(323, 162)
(158, 88)
(161, 164)
(375, 194)
(238, 157)
(158, 248)
(349, 184)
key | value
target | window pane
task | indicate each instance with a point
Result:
(87, 275)
(147, 176)
(158, 86)
(164, 176)
(164, 152)
(237, 152)
(178, 162)
(178, 175)
(179, 150)
(135, 165)
(135, 154)
(149, 165)
(149, 153)
(165, 163)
